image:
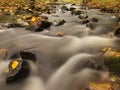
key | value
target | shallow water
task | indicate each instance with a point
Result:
(60, 62)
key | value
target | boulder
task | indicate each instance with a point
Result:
(18, 70)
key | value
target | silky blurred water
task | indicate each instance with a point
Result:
(60, 64)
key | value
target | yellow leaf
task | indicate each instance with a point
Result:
(26, 16)
(19, 20)
(33, 19)
(15, 63)
(10, 11)
(105, 86)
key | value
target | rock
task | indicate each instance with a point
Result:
(103, 10)
(84, 21)
(109, 10)
(113, 17)
(26, 55)
(94, 20)
(58, 22)
(40, 26)
(31, 27)
(83, 16)
(75, 11)
(44, 17)
(90, 25)
(64, 8)
(45, 24)
(13, 25)
(72, 9)
(78, 12)
(55, 15)
(18, 70)
(117, 32)
(73, 4)
(38, 29)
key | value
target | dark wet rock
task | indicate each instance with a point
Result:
(45, 24)
(64, 8)
(73, 4)
(13, 25)
(103, 10)
(58, 22)
(72, 9)
(117, 32)
(107, 10)
(28, 56)
(83, 7)
(72, 12)
(78, 12)
(31, 27)
(14, 56)
(83, 16)
(94, 20)
(25, 55)
(38, 29)
(48, 12)
(84, 21)
(90, 25)
(19, 72)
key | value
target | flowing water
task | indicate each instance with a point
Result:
(62, 63)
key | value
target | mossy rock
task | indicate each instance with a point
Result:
(113, 64)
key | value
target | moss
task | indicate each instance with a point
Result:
(113, 64)
(6, 18)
